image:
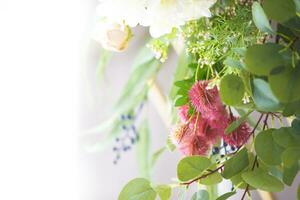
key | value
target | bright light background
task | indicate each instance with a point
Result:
(42, 45)
(39, 62)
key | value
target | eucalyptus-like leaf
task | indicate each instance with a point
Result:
(163, 191)
(290, 156)
(232, 89)
(200, 195)
(235, 124)
(285, 84)
(236, 164)
(262, 180)
(137, 189)
(279, 10)
(267, 149)
(260, 19)
(263, 96)
(289, 173)
(191, 167)
(226, 196)
(261, 59)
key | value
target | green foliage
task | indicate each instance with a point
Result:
(192, 167)
(137, 189)
(200, 195)
(285, 84)
(163, 191)
(236, 164)
(226, 196)
(260, 19)
(278, 10)
(289, 174)
(290, 156)
(235, 124)
(262, 180)
(232, 89)
(267, 149)
(261, 59)
(213, 179)
(263, 97)
(143, 151)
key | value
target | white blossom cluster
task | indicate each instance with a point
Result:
(161, 16)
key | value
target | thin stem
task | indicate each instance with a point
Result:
(203, 176)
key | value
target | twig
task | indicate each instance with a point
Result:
(203, 176)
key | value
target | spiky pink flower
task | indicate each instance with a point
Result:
(188, 142)
(204, 100)
(194, 145)
(239, 136)
(183, 113)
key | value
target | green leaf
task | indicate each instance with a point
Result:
(137, 189)
(191, 167)
(236, 164)
(291, 108)
(200, 195)
(267, 149)
(170, 145)
(226, 196)
(212, 179)
(279, 10)
(260, 59)
(262, 180)
(289, 174)
(260, 18)
(180, 73)
(156, 155)
(143, 151)
(235, 124)
(263, 97)
(285, 84)
(286, 137)
(181, 101)
(232, 89)
(290, 156)
(163, 191)
(233, 63)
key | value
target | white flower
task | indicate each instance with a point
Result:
(164, 15)
(160, 15)
(112, 36)
(130, 11)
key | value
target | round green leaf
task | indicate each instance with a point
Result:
(262, 180)
(200, 195)
(290, 173)
(279, 10)
(163, 191)
(285, 84)
(137, 189)
(212, 179)
(267, 149)
(286, 137)
(263, 97)
(192, 167)
(260, 59)
(232, 89)
(236, 164)
(290, 156)
(260, 19)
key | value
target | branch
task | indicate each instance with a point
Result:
(203, 176)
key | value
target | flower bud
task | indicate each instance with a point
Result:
(112, 36)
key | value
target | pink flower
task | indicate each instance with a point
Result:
(188, 142)
(206, 101)
(238, 137)
(194, 145)
(183, 113)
